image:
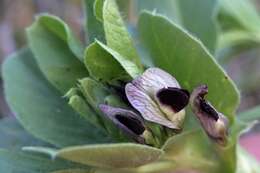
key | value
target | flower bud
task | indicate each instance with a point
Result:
(128, 121)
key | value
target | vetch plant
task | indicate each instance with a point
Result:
(166, 106)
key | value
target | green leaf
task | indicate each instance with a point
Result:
(183, 56)
(102, 65)
(95, 94)
(20, 162)
(197, 17)
(116, 33)
(122, 155)
(130, 67)
(177, 149)
(78, 102)
(80, 105)
(94, 28)
(107, 65)
(60, 29)
(56, 53)
(15, 136)
(250, 115)
(207, 157)
(40, 108)
(199, 22)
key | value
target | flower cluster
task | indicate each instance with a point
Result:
(156, 99)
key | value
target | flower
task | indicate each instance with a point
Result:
(158, 98)
(214, 123)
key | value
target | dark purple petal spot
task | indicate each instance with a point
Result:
(208, 109)
(176, 98)
(128, 121)
(131, 123)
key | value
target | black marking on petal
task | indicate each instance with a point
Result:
(120, 91)
(128, 121)
(131, 123)
(176, 98)
(208, 109)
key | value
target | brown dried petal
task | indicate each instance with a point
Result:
(214, 123)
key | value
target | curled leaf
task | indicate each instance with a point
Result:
(214, 123)
(158, 97)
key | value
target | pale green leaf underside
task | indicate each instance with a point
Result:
(122, 155)
(183, 56)
(51, 44)
(39, 106)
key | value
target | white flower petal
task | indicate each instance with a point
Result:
(142, 102)
(154, 79)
